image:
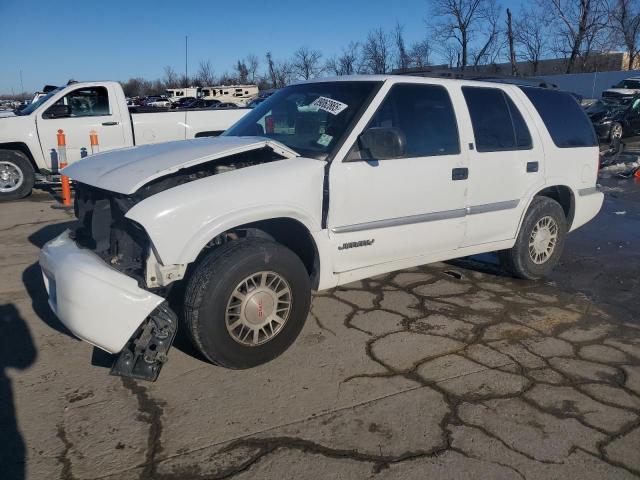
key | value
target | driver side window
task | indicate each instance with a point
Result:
(425, 117)
(86, 102)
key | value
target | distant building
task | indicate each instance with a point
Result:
(602, 62)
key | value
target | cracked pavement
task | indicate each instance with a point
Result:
(449, 371)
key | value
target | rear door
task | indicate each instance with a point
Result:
(92, 108)
(505, 163)
(383, 210)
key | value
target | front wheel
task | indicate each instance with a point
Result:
(246, 302)
(540, 241)
(16, 175)
(616, 132)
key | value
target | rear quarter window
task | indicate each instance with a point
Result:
(565, 120)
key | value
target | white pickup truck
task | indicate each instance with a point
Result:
(28, 139)
(322, 184)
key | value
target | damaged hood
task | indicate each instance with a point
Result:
(126, 170)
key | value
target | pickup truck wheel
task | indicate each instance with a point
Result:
(540, 241)
(16, 175)
(246, 302)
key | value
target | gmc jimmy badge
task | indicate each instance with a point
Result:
(360, 243)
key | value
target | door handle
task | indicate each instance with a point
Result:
(532, 167)
(109, 124)
(459, 174)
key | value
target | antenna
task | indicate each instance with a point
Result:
(186, 61)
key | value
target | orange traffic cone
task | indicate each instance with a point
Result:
(93, 138)
(62, 162)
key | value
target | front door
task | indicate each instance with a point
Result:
(387, 209)
(90, 109)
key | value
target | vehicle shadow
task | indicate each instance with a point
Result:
(487, 263)
(16, 351)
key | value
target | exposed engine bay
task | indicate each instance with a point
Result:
(123, 244)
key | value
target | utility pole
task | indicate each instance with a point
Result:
(21, 84)
(186, 61)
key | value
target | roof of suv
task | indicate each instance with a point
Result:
(438, 79)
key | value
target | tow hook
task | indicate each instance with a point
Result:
(146, 351)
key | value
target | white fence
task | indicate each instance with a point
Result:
(589, 85)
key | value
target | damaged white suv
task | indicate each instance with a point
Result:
(322, 184)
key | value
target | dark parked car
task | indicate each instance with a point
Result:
(182, 101)
(226, 105)
(616, 118)
(201, 103)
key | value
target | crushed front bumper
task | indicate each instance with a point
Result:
(96, 302)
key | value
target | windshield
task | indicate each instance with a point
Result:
(309, 118)
(629, 84)
(29, 109)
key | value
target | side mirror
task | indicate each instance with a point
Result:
(380, 143)
(58, 111)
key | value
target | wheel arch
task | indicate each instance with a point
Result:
(22, 148)
(564, 196)
(289, 231)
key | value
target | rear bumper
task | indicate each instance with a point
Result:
(96, 302)
(588, 204)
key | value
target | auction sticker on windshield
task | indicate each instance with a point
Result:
(334, 107)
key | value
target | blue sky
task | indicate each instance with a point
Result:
(114, 39)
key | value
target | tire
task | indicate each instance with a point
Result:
(616, 132)
(211, 306)
(534, 261)
(16, 175)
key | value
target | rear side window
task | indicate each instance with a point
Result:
(497, 123)
(567, 124)
(425, 116)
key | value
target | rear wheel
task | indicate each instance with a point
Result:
(246, 302)
(540, 241)
(16, 175)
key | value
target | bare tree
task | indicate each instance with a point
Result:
(624, 22)
(376, 52)
(531, 37)
(228, 79)
(279, 73)
(402, 57)
(577, 24)
(253, 64)
(459, 21)
(137, 87)
(490, 36)
(205, 74)
(272, 70)
(511, 41)
(347, 62)
(420, 54)
(170, 77)
(306, 63)
(242, 72)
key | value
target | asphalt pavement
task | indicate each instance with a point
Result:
(447, 371)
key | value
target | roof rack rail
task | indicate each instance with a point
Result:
(485, 77)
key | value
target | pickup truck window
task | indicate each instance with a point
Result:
(310, 118)
(29, 109)
(565, 120)
(497, 123)
(87, 102)
(425, 116)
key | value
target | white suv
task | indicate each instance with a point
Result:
(322, 184)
